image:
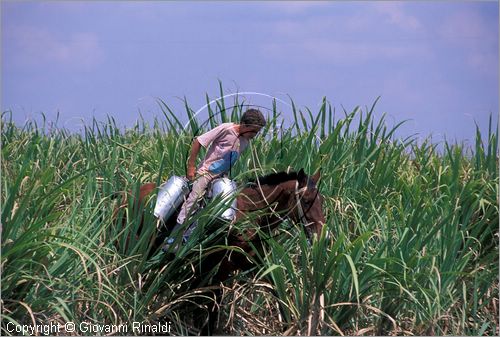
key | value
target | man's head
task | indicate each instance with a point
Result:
(251, 122)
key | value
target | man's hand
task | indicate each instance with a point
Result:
(191, 170)
(190, 173)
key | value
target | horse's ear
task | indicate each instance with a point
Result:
(302, 178)
(316, 176)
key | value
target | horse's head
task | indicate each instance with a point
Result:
(308, 203)
(296, 195)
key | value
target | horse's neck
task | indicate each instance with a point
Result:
(289, 186)
(254, 198)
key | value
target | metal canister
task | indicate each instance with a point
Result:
(171, 195)
(227, 188)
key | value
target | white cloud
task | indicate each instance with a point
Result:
(345, 52)
(294, 7)
(396, 15)
(36, 46)
(469, 31)
(463, 24)
(339, 40)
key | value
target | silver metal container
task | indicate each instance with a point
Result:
(227, 188)
(171, 195)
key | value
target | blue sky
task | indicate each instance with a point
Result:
(435, 63)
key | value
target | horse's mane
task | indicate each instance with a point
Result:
(274, 178)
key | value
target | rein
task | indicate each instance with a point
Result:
(298, 204)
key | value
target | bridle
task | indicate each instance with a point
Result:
(298, 204)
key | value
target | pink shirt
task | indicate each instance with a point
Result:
(224, 147)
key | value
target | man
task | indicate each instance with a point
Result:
(225, 144)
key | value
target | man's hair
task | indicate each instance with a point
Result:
(253, 117)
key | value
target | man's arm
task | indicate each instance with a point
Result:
(191, 169)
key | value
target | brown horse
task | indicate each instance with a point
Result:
(292, 196)
(285, 195)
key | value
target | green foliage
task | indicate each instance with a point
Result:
(410, 245)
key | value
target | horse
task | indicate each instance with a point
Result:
(283, 195)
